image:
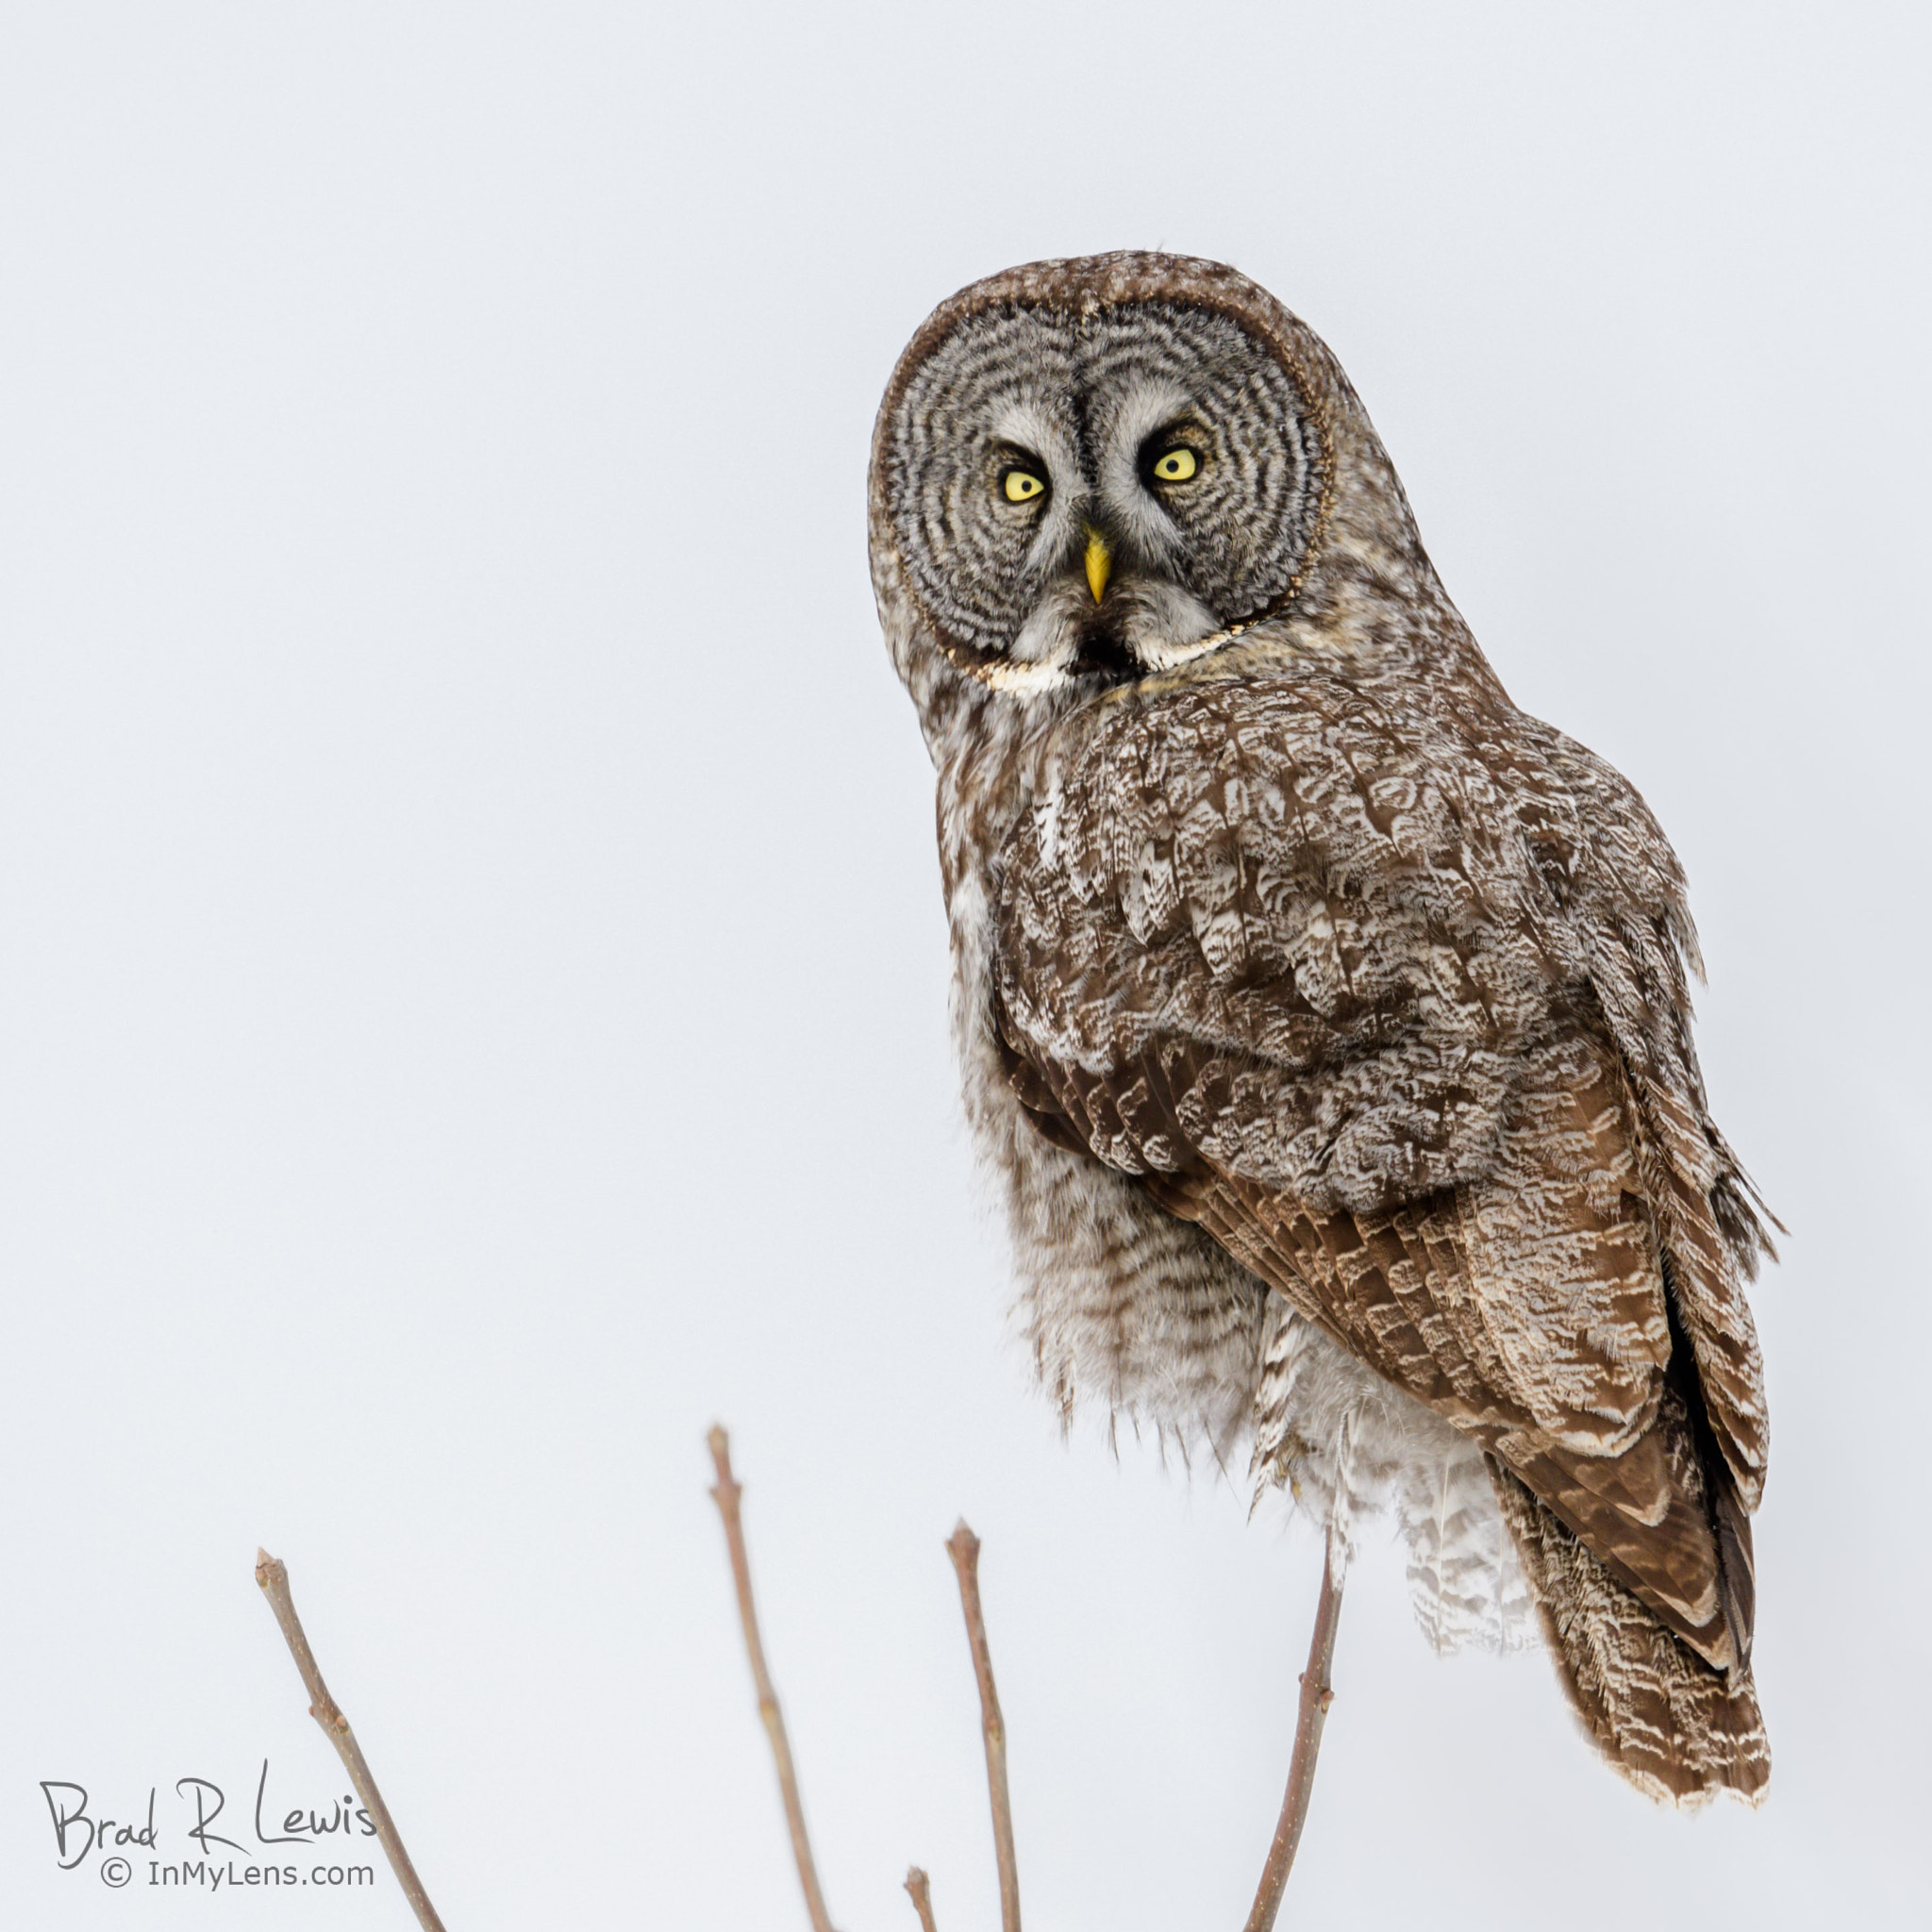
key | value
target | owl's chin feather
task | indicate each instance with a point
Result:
(1103, 654)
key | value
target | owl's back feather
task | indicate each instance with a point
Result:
(1289, 956)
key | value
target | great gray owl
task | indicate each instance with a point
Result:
(1325, 1017)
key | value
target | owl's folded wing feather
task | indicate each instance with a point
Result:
(1300, 964)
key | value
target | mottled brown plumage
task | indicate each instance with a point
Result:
(1327, 1017)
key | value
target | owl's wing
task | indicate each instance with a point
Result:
(1321, 973)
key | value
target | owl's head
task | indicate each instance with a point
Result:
(1087, 471)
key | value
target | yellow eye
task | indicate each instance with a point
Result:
(1176, 465)
(1023, 486)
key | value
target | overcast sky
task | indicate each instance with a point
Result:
(473, 972)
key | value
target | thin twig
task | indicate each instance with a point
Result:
(273, 1577)
(963, 1547)
(1317, 1695)
(726, 1495)
(920, 1886)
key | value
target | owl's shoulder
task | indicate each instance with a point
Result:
(1362, 783)
(1305, 771)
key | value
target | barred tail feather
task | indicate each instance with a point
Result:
(1676, 1728)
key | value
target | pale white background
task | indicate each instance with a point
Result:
(472, 972)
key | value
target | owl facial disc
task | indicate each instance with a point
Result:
(1095, 492)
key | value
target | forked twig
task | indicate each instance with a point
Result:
(920, 1886)
(1317, 1695)
(726, 1495)
(273, 1577)
(963, 1547)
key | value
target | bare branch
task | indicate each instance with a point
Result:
(920, 1886)
(726, 1495)
(963, 1547)
(273, 1577)
(1317, 1695)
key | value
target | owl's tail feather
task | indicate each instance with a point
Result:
(1676, 1728)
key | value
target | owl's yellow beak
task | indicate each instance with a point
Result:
(1099, 561)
